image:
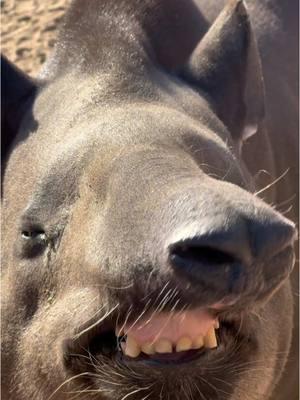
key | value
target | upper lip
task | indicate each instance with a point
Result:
(89, 337)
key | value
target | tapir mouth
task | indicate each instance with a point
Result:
(169, 334)
(161, 339)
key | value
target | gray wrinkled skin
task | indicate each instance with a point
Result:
(135, 139)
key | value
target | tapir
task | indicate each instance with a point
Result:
(149, 198)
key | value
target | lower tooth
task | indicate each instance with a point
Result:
(132, 349)
(198, 343)
(210, 340)
(163, 346)
(148, 348)
(184, 344)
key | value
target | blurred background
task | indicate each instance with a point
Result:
(29, 29)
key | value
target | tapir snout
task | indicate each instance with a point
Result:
(164, 214)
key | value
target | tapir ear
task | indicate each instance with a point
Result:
(226, 66)
(17, 91)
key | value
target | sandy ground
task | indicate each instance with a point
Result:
(29, 29)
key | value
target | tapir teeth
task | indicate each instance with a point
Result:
(132, 348)
(198, 342)
(148, 348)
(163, 346)
(210, 340)
(216, 324)
(184, 344)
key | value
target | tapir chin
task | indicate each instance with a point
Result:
(149, 197)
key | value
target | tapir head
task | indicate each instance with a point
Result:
(139, 263)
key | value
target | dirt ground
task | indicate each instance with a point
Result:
(29, 29)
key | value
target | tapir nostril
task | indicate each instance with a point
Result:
(201, 255)
(228, 250)
(213, 253)
(207, 264)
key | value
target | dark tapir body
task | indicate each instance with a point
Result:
(131, 223)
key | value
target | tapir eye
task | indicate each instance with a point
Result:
(33, 242)
(38, 234)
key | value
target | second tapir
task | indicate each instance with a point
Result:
(138, 260)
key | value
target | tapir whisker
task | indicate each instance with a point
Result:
(272, 183)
